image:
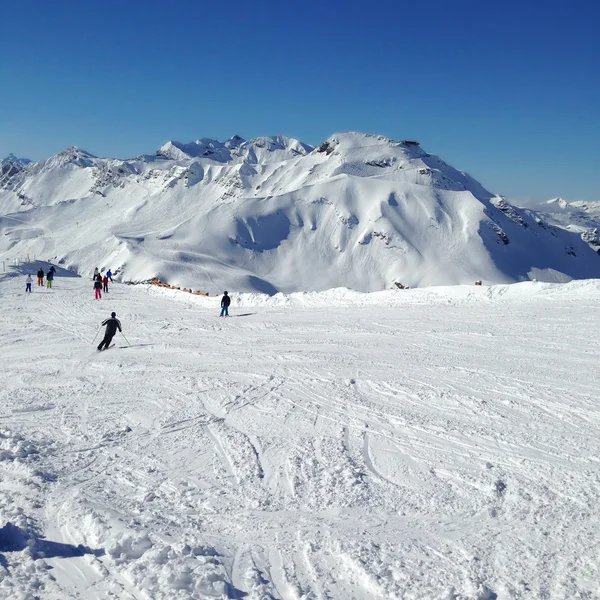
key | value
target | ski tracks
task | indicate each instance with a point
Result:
(299, 454)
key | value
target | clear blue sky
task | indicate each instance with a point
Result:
(508, 91)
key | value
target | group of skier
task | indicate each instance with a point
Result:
(112, 324)
(40, 279)
(101, 282)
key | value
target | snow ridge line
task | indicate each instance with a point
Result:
(456, 295)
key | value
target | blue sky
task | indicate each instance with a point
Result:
(508, 91)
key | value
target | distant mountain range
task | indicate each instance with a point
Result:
(273, 214)
(581, 217)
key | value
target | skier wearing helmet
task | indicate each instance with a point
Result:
(112, 325)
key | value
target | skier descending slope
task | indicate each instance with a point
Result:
(98, 289)
(225, 302)
(112, 325)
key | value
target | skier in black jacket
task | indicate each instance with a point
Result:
(112, 325)
(225, 302)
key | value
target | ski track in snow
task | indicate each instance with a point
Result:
(425, 450)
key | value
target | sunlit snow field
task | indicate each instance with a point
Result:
(441, 443)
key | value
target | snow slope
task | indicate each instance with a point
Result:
(272, 214)
(424, 444)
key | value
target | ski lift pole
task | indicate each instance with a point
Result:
(125, 339)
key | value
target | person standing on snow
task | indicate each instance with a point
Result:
(28, 284)
(112, 325)
(225, 302)
(109, 275)
(98, 289)
(105, 284)
(96, 273)
(40, 276)
(50, 277)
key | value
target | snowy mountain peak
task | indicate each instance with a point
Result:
(261, 150)
(75, 152)
(71, 156)
(11, 168)
(278, 142)
(558, 202)
(376, 146)
(365, 155)
(11, 159)
(234, 141)
(205, 148)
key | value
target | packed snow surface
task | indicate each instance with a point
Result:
(422, 444)
(275, 215)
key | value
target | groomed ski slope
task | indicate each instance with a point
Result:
(440, 443)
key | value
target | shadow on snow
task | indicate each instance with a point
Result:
(32, 267)
(16, 539)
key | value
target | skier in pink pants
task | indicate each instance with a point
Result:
(98, 288)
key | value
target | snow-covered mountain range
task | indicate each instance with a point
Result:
(273, 214)
(579, 216)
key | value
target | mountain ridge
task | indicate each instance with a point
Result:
(273, 214)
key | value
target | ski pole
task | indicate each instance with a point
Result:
(97, 332)
(125, 339)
